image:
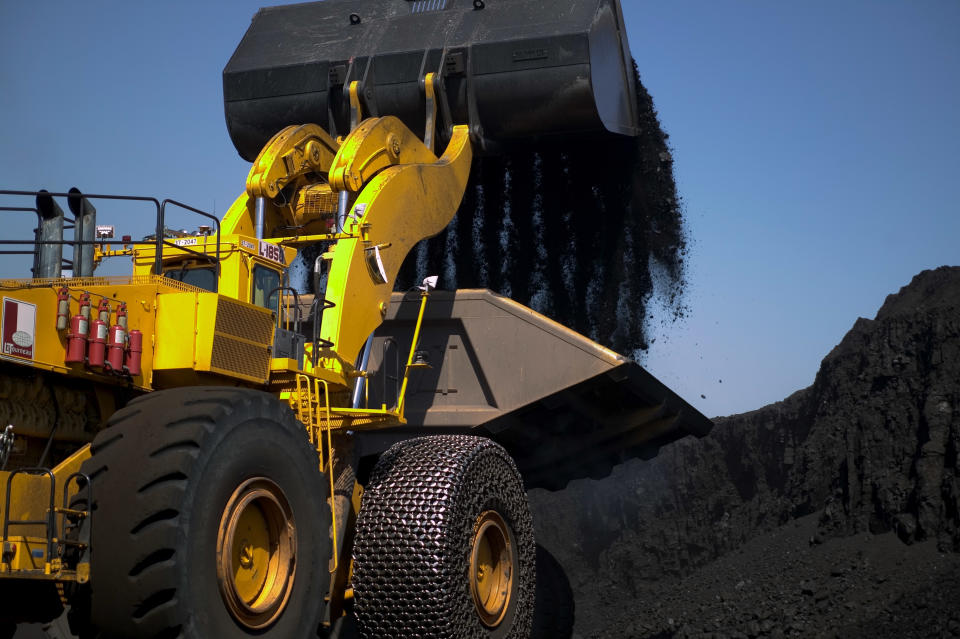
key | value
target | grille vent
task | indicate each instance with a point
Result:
(425, 6)
(236, 356)
(242, 339)
(246, 322)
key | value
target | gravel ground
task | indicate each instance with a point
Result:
(783, 584)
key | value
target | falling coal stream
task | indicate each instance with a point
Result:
(585, 232)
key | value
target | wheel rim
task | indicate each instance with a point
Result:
(256, 552)
(491, 568)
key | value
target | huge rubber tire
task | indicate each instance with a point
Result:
(423, 509)
(168, 475)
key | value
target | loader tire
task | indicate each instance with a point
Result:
(444, 543)
(210, 519)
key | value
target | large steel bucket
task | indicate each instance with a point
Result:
(514, 70)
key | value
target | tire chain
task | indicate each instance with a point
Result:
(423, 498)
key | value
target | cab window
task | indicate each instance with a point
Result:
(204, 277)
(265, 284)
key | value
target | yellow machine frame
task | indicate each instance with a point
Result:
(370, 197)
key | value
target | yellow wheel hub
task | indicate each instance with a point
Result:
(256, 552)
(491, 568)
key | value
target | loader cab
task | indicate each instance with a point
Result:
(244, 268)
(259, 283)
(269, 289)
(202, 275)
(265, 284)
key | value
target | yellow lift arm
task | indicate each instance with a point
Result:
(404, 194)
(392, 192)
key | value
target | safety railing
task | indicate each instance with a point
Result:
(57, 539)
(316, 417)
(78, 203)
(319, 305)
(49, 522)
(35, 251)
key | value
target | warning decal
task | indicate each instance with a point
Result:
(19, 328)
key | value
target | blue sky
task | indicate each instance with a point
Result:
(816, 149)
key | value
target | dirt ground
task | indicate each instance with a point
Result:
(781, 584)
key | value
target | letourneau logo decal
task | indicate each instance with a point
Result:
(19, 328)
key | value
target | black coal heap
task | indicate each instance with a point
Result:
(833, 513)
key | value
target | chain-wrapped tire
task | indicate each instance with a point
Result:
(210, 519)
(444, 543)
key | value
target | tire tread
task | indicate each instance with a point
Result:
(143, 466)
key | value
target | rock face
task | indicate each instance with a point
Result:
(870, 449)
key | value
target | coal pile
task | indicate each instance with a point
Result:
(778, 585)
(835, 512)
(586, 232)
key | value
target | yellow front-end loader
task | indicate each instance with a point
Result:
(199, 450)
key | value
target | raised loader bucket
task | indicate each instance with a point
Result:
(514, 70)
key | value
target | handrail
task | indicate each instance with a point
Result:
(158, 264)
(83, 482)
(319, 305)
(36, 236)
(296, 303)
(49, 523)
(158, 242)
(387, 342)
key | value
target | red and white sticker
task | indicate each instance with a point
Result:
(19, 328)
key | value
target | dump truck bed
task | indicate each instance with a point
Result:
(564, 406)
